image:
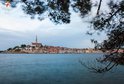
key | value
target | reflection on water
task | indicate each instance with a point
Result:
(54, 69)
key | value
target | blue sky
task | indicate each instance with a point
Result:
(17, 28)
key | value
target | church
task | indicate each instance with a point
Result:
(36, 44)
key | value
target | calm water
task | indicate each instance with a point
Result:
(54, 69)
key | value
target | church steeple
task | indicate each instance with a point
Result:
(36, 39)
(36, 44)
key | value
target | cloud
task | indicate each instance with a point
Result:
(17, 28)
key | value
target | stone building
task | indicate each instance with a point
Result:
(36, 44)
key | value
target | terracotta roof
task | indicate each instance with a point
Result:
(36, 44)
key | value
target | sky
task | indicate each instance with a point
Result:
(17, 28)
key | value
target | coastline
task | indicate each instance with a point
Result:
(50, 53)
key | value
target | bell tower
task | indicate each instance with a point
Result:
(36, 39)
(36, 44)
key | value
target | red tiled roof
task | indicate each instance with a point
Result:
(36, 44)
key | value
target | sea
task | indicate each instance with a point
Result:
(56, 69)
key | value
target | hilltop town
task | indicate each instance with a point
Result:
(37, 47)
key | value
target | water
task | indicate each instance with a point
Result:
(54, 69)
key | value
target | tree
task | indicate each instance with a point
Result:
(112, 22)
(58, 11)
(9, 49)
(23, 46)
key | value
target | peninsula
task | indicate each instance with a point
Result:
(36, 47)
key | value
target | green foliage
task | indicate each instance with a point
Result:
(58, 11)
(82, 6)
(112, 23)
(9, 49)
(23, 46)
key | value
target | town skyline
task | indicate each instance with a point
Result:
(39, 48)
(18, 28)
(37, 43)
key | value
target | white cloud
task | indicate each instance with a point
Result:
(17, 28)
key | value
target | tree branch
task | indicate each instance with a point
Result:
(99, 7)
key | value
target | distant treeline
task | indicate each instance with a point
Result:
(1, 51)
